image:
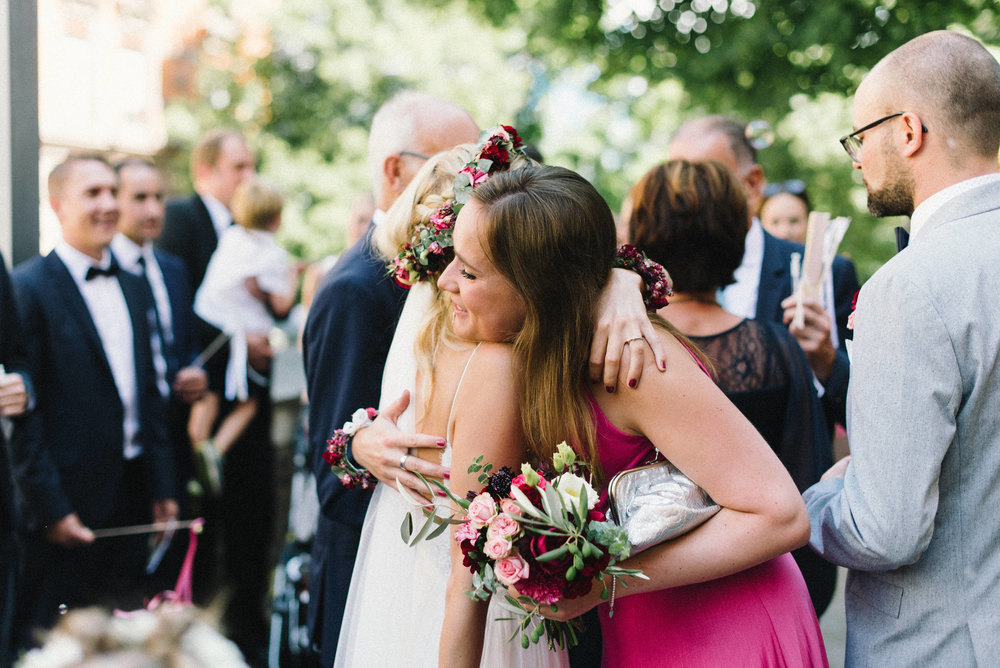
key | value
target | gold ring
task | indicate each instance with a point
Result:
(634, 338)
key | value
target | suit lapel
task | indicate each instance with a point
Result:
(773, 277)
(65, 289)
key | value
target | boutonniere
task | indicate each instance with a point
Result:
(854, 307)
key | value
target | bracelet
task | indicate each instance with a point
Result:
(336, 451)
(653, 274)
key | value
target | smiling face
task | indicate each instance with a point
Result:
(86, 206)
(485, 306)
(140, 198)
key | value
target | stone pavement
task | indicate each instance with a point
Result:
(833, 624)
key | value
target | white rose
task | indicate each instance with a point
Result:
(570, 488)
(358, 420)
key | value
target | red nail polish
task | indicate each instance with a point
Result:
(441, 443)
(632, 383)
(663, 366)
(447, 476)
(609, 389)
(440, 493)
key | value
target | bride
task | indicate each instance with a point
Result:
(396, 606)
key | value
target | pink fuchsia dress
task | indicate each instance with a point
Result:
(759, 617)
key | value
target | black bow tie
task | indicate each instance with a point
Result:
(902, 238)
(94, 272)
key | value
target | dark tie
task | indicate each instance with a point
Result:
(94, 272)
(902, 238)
(166, 337)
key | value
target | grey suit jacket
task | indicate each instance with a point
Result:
(917, 517)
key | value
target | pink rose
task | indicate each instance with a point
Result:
(482, 510)
(503, 526)
(476, 176)
(466, 532)
(497, 548)
(511, 570)
(510, 507)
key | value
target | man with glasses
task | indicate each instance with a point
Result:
(346, 341)
(912, 513)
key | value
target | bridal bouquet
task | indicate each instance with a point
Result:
(539, 533)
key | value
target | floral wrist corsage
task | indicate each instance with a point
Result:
(656, 278)
(336, 451)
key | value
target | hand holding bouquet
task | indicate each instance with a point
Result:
(539, 533)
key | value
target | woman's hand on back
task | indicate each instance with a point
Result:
(380, 448)
(621, 316)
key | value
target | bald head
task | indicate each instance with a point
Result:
(405, 131)
(952, 82)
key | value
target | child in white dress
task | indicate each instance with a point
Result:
(248, 284)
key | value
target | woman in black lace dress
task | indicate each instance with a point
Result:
(692, 218)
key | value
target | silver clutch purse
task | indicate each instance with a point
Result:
(657, 502)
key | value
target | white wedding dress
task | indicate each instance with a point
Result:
(395, 607)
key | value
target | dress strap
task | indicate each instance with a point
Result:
(457, 388)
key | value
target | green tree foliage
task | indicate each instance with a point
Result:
(598, 85)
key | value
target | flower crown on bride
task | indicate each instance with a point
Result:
(424, 257)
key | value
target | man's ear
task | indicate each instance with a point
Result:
(914, 133)
(754, 182)
(393, 178)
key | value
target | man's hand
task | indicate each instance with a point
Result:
(253, 287)
(69, 532)
(813, 336)
(190, 384)
(838, 470)
(259, 352)
(621, 315)
(380, 447)
(165, 510)
(13, 395)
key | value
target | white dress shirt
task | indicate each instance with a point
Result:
(109, 311)
(128, 253)
(740, 298)
(217, 211)
(933, 204)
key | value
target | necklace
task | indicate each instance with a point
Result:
(692, 298)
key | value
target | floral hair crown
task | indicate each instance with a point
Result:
(424, 256)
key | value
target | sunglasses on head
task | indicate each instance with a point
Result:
(792, 187)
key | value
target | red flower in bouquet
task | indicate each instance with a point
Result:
(541, 535)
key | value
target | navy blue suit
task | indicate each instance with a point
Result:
(346, 341)
(775, 286)
(189, 234)
(77, 464)
(14, 359)
(234, 551)
(183, 320)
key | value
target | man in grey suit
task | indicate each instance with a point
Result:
(913, 512)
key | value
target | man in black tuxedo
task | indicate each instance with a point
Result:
(762, 291)
(346, 341)
(102, 458)
(15, 403)
(234, 550)
(220, 161)
(140, 222)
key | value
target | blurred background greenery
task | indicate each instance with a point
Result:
(596, 85)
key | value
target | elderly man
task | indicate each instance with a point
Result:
(347, 337)
(912, 513)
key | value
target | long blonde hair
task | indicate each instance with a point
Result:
(431, 188)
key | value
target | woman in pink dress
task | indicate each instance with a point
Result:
(725, 594)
